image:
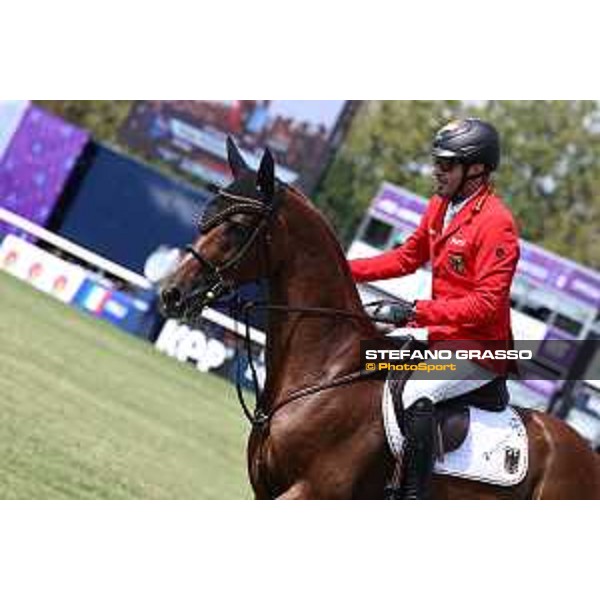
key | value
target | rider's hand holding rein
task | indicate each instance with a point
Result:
(398, 314)
(468, 235)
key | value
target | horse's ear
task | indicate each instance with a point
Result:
(265, 180)
(237, 164)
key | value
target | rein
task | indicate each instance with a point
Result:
(261, 417)
(218, 286)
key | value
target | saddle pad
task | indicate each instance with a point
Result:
(495, 450)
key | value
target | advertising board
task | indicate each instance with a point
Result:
(126, 310)
(215, 345)
(190, 134)
(40, 268)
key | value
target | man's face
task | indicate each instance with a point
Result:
(447, 177)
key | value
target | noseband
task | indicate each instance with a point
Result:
(217, 284)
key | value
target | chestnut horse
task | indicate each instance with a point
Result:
(320, 430)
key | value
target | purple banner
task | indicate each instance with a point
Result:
(399, 204)
(560, 273)
(585, 287)
(36, 164)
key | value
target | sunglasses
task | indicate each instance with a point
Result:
(445, 164)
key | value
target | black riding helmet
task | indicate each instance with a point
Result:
(470, 141)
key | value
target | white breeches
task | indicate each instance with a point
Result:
(469, 376)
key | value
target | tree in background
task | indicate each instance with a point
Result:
(102, 118)
(388, 141)
(550, 172)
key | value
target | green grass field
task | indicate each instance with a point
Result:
(87, 411)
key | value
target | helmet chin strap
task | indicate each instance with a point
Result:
(460, 194)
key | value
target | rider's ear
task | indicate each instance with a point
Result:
(265, 180)
(237, 164)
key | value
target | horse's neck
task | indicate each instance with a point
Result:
(307, 349)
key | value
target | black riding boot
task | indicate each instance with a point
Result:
(419, 450)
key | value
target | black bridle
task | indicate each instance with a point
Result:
(219, 286)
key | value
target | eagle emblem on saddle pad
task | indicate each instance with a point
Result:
(495, 450)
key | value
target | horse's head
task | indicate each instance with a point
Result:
(232, 246)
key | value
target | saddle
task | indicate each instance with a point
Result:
(452, 416)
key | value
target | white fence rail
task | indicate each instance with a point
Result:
(75, 250)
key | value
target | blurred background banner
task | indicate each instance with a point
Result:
(38, 151)
(11, 114)
(190, 134)
(125, 210)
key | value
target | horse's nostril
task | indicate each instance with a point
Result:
(171, 297)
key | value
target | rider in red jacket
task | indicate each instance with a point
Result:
(473, 261)
(470, 238)
(473, 258)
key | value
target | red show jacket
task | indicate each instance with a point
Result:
(473, 262)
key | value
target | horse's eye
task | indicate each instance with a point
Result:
(237, 231)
